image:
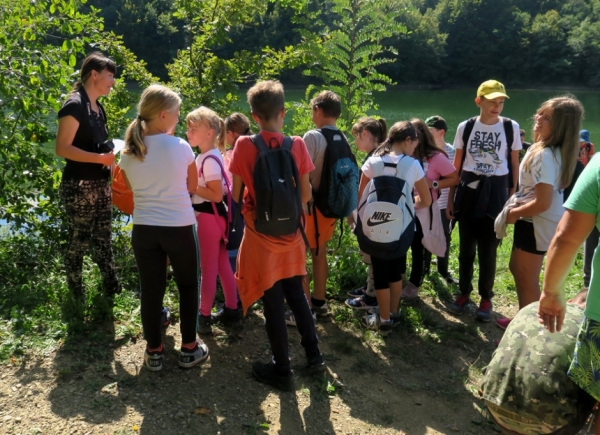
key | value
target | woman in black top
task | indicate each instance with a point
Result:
(85, 188)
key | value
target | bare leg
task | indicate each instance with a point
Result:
(320, 272)
(383, 300)
(395, 293)
(525, 268)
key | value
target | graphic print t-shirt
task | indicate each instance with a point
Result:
(486, 149)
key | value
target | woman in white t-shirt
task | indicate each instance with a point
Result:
(161, 172)
(400, 144)
(546, 170)
(207, 132)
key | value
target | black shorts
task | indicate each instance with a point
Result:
(387, 271)
(524, 238)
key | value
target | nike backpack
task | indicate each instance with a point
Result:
(386, 214)
(337, 196)
(277, 189)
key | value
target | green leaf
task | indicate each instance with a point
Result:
(72, 60)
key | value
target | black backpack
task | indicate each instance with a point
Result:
(337, 196)
(277, 189)
(510, 137)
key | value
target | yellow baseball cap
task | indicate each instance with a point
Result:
(491, 89)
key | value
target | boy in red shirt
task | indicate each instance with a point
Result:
(271, 267)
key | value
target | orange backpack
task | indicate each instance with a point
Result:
(122, 197)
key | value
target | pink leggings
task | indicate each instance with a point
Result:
(214, 260)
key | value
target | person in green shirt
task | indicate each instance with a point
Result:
(582, 214)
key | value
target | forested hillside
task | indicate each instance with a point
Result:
(523, 42)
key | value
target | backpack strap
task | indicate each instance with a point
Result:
(228, 194)
(259, 142)
(510, 137)
(465, 139)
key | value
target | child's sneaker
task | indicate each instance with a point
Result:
(503, 323)
(373, 321)
(410, 292)
(316, 362)
(267, 374)
(459, 305)
(189, 358)
(395, 319)
(484, 312)
(204, 323)
(321, 312)
(226, 316)
(365, 302)
(153, 360)
(165, 317)
(358, 292)
(290, 320)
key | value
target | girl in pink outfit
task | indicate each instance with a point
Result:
(439, 174)
(207, 132)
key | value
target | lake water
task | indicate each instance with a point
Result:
(456, 106)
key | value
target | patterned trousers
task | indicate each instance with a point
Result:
(88, 209)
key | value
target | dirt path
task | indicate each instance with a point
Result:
(410, 383)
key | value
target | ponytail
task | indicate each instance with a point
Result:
(153, 101)
(220, 138)
(134, 139)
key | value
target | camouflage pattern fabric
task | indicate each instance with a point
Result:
(88, 209)
(585, 367)
(526, 381)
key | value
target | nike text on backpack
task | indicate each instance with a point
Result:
(277, 189)
(386, 227)
(510, 137)
(233, 230)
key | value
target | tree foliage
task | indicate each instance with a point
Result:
(203, 73)
(347, 57)
(41, 45)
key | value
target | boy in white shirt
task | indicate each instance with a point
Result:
(488, 166)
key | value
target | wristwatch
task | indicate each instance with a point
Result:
(435, 185)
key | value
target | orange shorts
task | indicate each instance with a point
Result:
(326, 227)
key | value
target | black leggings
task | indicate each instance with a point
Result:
(290, 290)
(421, 258)
(151, 247)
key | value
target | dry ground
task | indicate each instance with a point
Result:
(413, 383)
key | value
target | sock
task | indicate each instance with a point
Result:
(155, 350)
(189, 348)
(317, 302)
(381, 319)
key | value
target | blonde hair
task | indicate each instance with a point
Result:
(154, 100)
(564, 126)
(208, 117)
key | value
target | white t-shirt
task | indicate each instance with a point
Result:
(486, 149)
(545, 168)
(411, 177)
(159, 183)
(211, 172)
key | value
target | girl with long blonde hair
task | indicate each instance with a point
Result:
(546, 170)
